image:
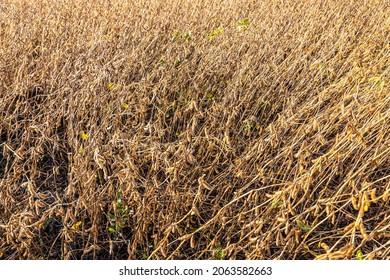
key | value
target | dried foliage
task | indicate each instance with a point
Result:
(186, 129)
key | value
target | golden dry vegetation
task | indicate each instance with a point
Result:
(184, 129)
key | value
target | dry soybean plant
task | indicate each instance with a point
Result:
(184, 129)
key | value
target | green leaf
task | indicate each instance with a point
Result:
(111, 216)
(187, 36)
(76, 225)
(125, 105)
(377, 81)
(175, 36)
(219, 253)
(215, 32)
(209, 96)
(110, 86)
(83, 135)
(359, 255)
(303, 226)
(241, 24)
(276, 203)
(248, 126)
(111, 230)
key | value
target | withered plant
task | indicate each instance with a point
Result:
(186, 129)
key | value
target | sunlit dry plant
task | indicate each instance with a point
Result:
(185, 129)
